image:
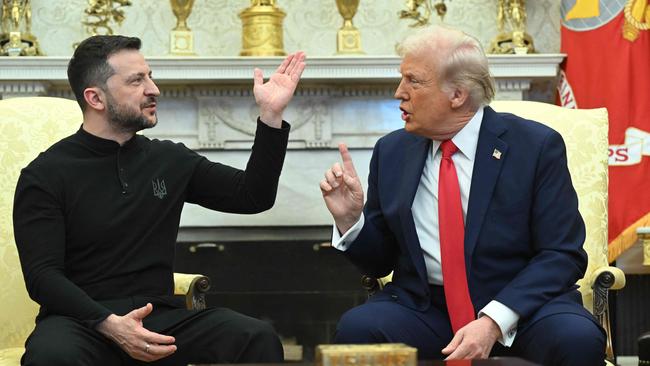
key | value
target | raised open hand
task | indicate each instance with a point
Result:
(273, 96)
(342, 192)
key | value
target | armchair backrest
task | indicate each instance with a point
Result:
(585, 134)
(28, 126)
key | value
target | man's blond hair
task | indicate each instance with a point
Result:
(458, 58)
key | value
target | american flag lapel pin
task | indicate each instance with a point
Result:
(496, 154)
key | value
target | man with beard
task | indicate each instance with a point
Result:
(96, 218)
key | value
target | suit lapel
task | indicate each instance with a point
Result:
(415, 155)
(484, 177)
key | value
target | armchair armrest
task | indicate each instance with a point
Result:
(193, 287)
(608, 277)
(373, 284)
(602, 280)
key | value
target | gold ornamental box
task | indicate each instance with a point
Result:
(388, 354)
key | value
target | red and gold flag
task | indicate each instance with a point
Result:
(607, 44)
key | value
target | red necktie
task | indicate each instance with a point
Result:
(452, 241)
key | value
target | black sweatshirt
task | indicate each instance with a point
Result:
(97, 221)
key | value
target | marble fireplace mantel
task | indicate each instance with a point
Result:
(28, 76)
(207, 104)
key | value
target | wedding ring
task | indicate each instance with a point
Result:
(146, 347)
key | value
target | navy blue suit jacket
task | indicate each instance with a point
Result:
(523, 231)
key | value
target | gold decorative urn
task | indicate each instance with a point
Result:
(181, 38)
(262, 29)
(348, 38)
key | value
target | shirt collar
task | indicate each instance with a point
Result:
(101, 145)
(467, 138)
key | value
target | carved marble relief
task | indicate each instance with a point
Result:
(320, 116)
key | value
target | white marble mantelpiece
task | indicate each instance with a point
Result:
(207, 104)
(226, 69)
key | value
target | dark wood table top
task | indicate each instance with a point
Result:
(496, 361)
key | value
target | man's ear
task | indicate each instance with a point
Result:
(458, 98)
(95, 98)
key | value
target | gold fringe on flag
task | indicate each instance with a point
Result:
(626, 239)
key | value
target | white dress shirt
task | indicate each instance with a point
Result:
(426, 223)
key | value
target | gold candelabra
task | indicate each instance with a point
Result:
(16, 38)
(101, 12)
(511, 26)
(421, 19)
(262, 29)
(181, 38)
(348, 38)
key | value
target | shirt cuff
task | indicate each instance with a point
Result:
(342, 243)
(505, 318)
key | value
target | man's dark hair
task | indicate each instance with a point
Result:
(89, 65)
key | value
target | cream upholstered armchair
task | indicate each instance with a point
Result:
(585, 134)
(27, 127)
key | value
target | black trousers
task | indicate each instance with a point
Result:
(215, 335)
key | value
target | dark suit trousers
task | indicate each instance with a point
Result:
(215, 335)
(561, 339)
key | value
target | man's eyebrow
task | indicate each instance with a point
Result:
(138, 75)
(409, 74)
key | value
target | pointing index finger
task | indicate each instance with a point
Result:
(348, 165)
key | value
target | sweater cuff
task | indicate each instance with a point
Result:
(285, 127)
(93, 323)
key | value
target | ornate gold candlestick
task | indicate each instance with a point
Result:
(16, 38)
(348, 38)
(262, 29)
(515, 40)
(181, 38)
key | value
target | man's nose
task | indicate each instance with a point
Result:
(399, 92)
(152, 88)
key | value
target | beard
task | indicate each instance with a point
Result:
(126, 119)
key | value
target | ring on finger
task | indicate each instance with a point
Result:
(146, 347)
